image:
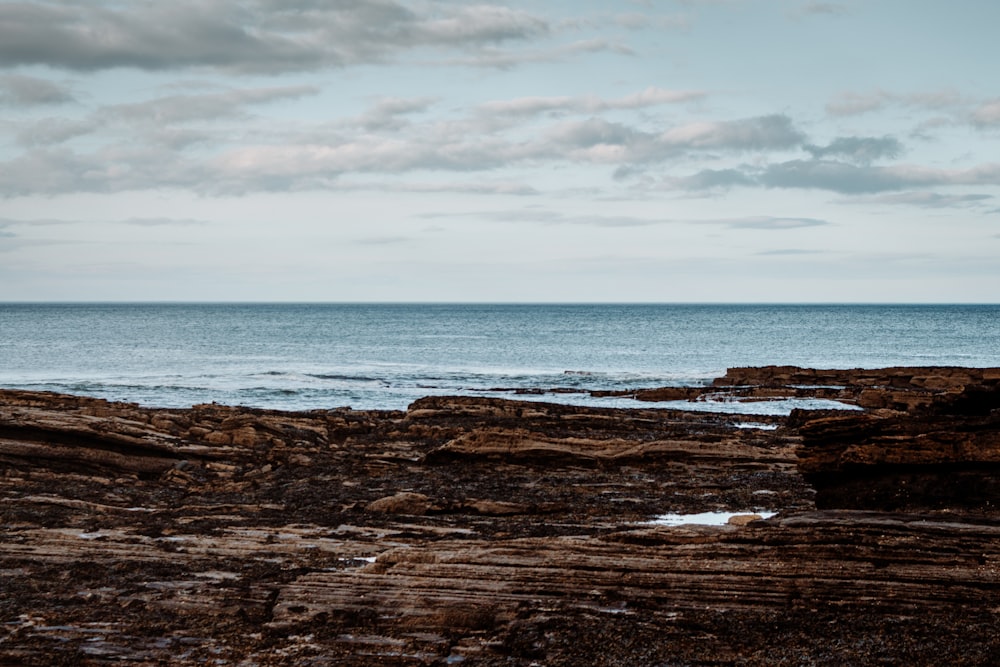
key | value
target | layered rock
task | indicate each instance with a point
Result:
(490, 532)
(909, 389)
(888, 460)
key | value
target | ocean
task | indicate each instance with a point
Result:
(384, 356)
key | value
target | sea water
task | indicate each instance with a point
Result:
(384, 356)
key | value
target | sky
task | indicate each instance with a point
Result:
(448, 151)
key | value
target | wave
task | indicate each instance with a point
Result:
(382, 395)
(346, 378)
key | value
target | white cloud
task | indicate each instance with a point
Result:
(772, 132)
(160, 117)
(478, 24)
(498, 58)
(987, 114)
(852, 103)
(529, 106)
(148, 154)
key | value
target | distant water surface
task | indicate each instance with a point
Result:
(308, 356)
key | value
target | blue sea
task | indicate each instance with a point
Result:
(383, 356)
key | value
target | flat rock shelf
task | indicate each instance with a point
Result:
(484, 531)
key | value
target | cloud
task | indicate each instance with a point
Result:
(208, 106)
(923, 130)
(775, 131)
(987, 114)
(163, 222)
(478, 24)
(145, 151)
(596, 131)
(766, 223)
(786, 252)
(851, 179)
(530, 106)
(547, 216)
(539, 215)
(251, 36)
(709, 179)
(502, 188)
(821, 9)
(838, 176)
(601, 141)
(14, 222)
(160, 116)
(10, 243)
(52, 131)
(852, 103)
(498, 58)
(387, 113)
(640, 21)
(383, 240)
(922, 200)
(44, 171)
(139, 222)
(28, 91)
(861, 150)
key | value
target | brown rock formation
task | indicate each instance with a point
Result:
(489, 532)
(901, 388)
(891, 460)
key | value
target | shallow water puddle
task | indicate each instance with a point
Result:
(757, 425)
(705, 518)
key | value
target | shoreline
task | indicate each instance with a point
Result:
(486, 531)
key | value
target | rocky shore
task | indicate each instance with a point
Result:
(481, 531)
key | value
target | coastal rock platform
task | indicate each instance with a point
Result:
(484, 531)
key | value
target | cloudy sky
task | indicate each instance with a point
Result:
(440, 150)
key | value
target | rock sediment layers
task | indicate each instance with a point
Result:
(491, 532)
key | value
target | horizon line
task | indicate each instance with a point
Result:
(185, 302)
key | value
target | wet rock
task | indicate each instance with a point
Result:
(401, 503)
(495, 532)
(496, 508)
(906, 389)
(944, 455)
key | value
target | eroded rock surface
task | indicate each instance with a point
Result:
(909, 389)
(491, 532)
